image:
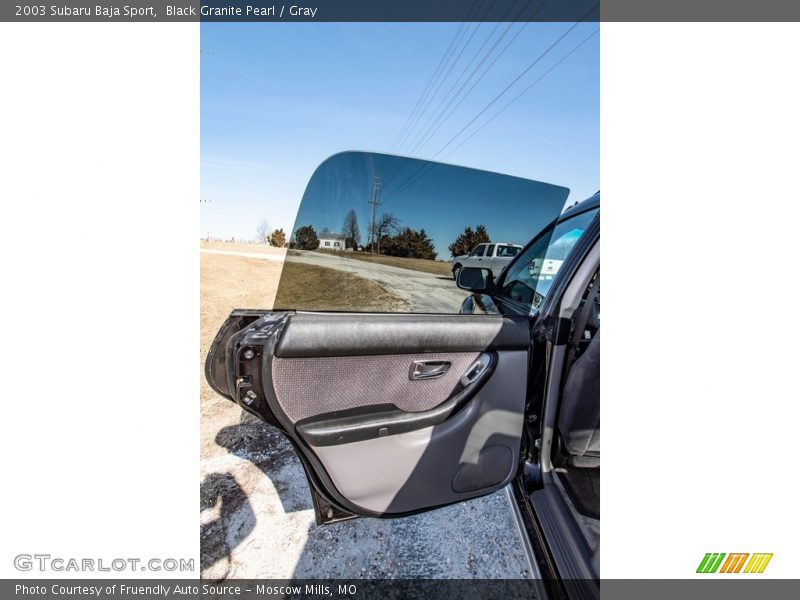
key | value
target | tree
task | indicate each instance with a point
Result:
(262, 232)
(305, 238)
(410, 243)
(385, 226)
(466, 241)
(277, 238)
(350, 230)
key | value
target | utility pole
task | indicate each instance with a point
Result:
(376, 188)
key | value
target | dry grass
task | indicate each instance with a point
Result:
(413, 264)
(237, 247)
(227, 282)
(309, 287)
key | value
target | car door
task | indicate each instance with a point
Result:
(391, 413)
(476, 260)
(488, 258)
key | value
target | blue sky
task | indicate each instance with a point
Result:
(277, 99)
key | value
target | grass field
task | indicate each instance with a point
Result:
(238, 247)
(414, 264)
(310, 287)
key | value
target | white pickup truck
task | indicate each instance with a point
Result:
(491, 255)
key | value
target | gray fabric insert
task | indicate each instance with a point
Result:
(307, 387)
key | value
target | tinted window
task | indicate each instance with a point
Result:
(507, 251)
(490, 250)
(530, 276)
(401, 220)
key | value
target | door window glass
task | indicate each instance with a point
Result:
(529, 279)
(403, 222)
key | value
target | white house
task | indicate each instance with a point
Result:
(332, 241)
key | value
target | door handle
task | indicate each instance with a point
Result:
(427, 369)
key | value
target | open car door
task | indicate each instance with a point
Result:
(390, 413)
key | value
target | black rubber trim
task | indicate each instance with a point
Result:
(256, 336)
(216, 364)
(325, 430)
(349, 334)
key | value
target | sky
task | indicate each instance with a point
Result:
(278, 99)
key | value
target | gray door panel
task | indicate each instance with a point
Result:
(391, 414)
(471, 454)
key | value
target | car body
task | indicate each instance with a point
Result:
(503, 395)
(489, 255)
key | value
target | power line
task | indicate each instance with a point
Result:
(418, 173)
(452, 66)
(422, 139)
(515, 80)
(524, 91)
(427, 86)
(416, 113)
(431, 82)
(424, 169)
(441, 82)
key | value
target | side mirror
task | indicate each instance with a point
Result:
(476, 280)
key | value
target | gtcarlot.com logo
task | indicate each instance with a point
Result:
(46, 562)
(734, 563)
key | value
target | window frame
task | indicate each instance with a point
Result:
(522, 309)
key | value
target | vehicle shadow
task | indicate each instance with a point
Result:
(229, 513)
(470, 540)
(221, 491)
(269, 449)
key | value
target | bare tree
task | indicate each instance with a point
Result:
(350, 230)
(263, 232)
(384, 227)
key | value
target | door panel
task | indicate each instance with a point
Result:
(391, 414)
(472, 453)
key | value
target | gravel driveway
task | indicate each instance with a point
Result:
(425, 292)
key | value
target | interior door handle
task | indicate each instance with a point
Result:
(427, 369)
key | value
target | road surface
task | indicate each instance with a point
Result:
(424, 292)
